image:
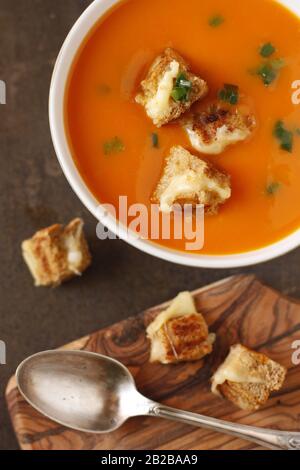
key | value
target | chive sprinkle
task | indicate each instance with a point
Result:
(182, 88)
(267, 74)
(229, 94)
(155, 140)
(273, 188)
(114, 145)
(216, 21)
(267, 50)
(284, 136)
(269, 71)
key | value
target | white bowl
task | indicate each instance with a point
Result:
(56, 113)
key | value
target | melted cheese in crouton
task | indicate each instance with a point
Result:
(156, 89)
(182, 305)
(158, 106)
(56, 254)
(179, 333)
(213, 131)
(188, 179)
(237, 368)
(247, 378)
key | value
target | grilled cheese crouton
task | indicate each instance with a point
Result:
(180, 333)
(56, 254)
(211, 132)
(189, 180)
(247, 378)
(170, 88)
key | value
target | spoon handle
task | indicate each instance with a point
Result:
(280, 440)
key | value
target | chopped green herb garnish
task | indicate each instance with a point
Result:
(229, 94)
(113, 146)
(269, 71)
(216, 21)
(182, 88)
(267, 74)
(155, 140)
(272, 188)
(298, 131)
(284, 136)
(179, 94)
(267, 50)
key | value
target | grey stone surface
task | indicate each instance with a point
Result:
(34, 193)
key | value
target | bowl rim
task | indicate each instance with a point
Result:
(70, 48)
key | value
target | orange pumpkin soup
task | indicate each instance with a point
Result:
(119, 151)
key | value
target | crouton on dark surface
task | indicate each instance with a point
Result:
(56, 254)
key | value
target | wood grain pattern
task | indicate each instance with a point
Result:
(239, 309)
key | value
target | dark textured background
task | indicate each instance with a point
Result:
(34, 193)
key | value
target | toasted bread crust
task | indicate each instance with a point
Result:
(185, 339)
(179, 333)
(150, 85)
(181, 162)
(56, 254)
(213, 130)
(248, 397)
(261, 377)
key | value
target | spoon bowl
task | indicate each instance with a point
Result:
(81, 390)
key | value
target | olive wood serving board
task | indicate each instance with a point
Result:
(238, 309)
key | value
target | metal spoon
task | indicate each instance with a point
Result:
(93, 393)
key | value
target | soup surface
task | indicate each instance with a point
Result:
(112, 138)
